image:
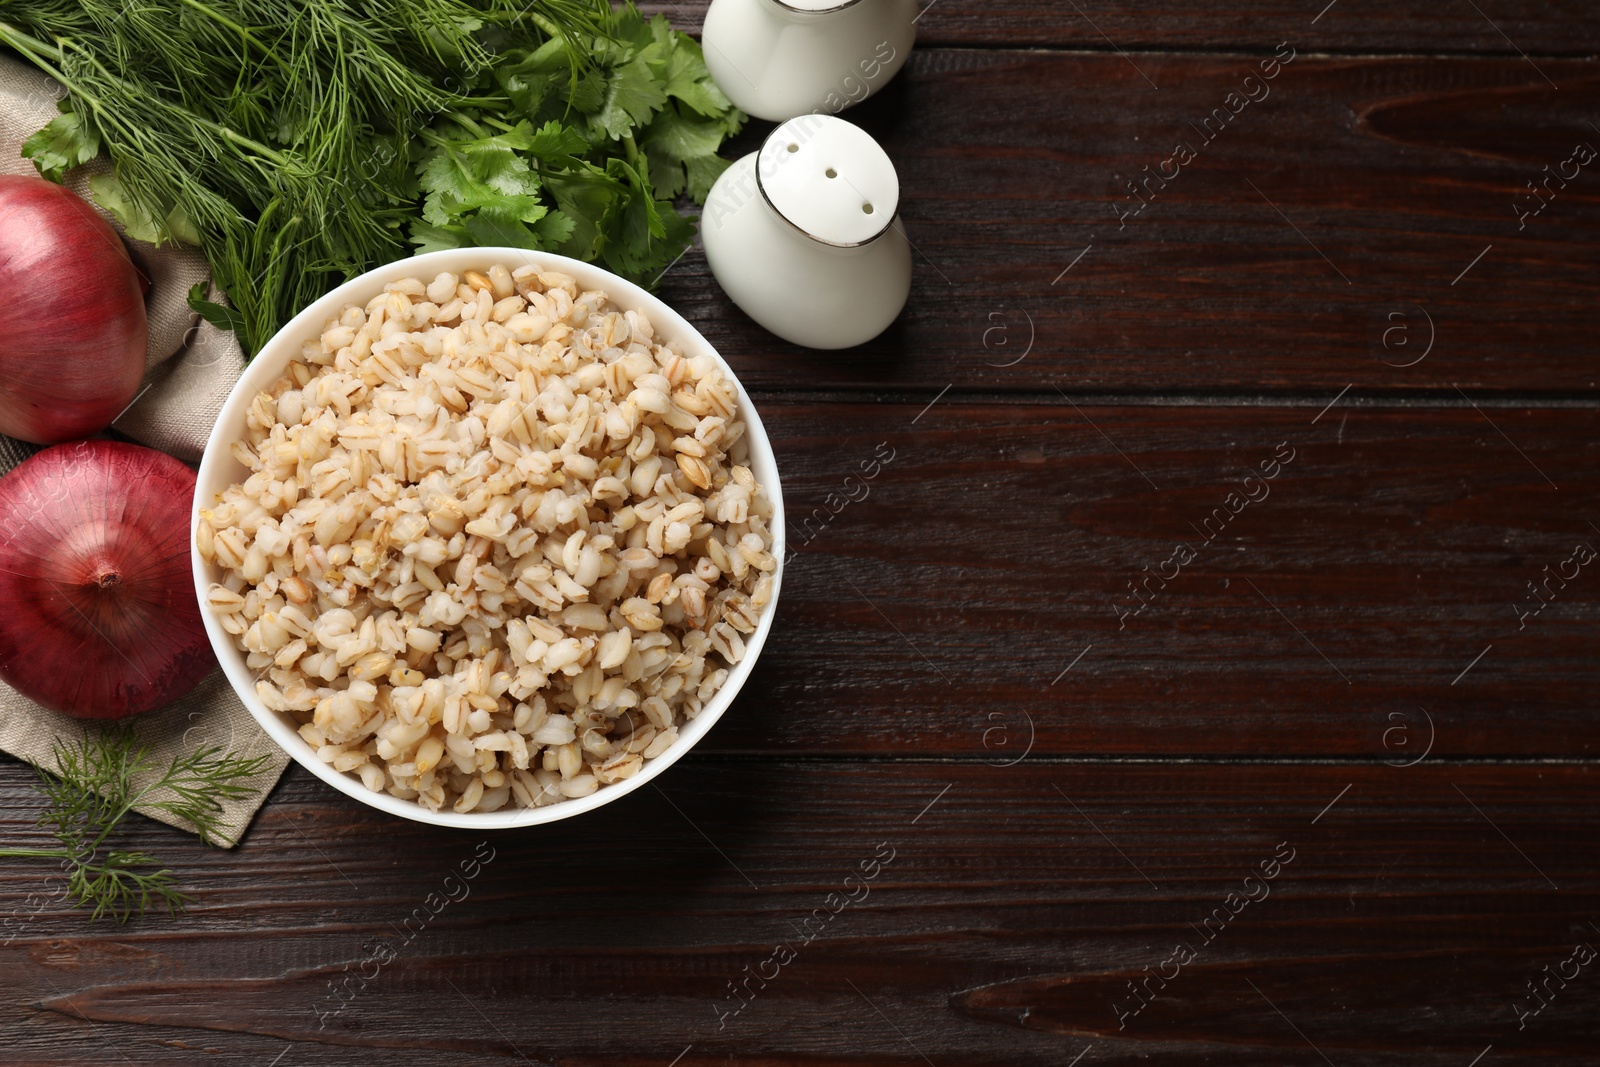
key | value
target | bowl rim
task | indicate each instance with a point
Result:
(268, 363)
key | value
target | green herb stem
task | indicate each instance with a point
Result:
(222, 20)
(502, 126)
(251, 143)
(547, 26)
(93, 792)
(36, 853)
(467, 121)
(38, 52)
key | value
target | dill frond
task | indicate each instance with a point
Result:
(100, 780)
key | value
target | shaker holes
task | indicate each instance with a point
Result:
(794, 148)
(866, 209)
(831, 173)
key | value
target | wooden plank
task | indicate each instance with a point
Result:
(1008, 912)
(1560, 28)
(946, 610)
(1357, 224)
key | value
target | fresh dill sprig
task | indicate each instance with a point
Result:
(101, 778)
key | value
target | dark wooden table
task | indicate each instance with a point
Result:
(1080, 740)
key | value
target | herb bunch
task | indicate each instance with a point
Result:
(101, 778)
(578, 145)
(301, 142)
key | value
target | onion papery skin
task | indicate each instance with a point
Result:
(98, 616)
(76, 337)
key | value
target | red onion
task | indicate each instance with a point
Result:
(76, 335)
(98, 616)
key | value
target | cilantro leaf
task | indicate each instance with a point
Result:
(137, 222)
(637, 234)
(496, 163)
(587, 94)
(65, 142)
(667, 176)
(554, 229)
(629, 28)
(632, 97)
(492, 229)
(219, 315)
(511, 209)
(583, 197)
(530, 81)
(437, 238)
(703, 173)
(486, 172)
(688, 80)
(683, 153)
(681, 138)
(553, 141)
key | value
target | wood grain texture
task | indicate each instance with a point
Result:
(939, 612)
(1565, 27)
(1009, 911)
(1081, 786)
(1323, 236)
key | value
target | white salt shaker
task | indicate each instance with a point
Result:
(804, 234)
(780, 58)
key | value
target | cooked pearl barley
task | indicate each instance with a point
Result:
(498, 542)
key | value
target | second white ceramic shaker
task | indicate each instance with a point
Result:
(780, 58)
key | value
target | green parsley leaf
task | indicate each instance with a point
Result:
(138, 223)
(65, 142)
(495, 230)
(688, 80)
(583, 197)
(681, 138)
(558, 143)
(683, 154)
(632, 96)
(555, 229)
(703, 172)
(530, 80)
(484, 172)
(428, 238)
(219, 315)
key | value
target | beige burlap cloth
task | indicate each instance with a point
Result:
(191, 368)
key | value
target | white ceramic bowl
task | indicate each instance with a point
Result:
(218, 470)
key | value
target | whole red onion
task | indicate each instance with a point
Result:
(98, 616)
(75, 335)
